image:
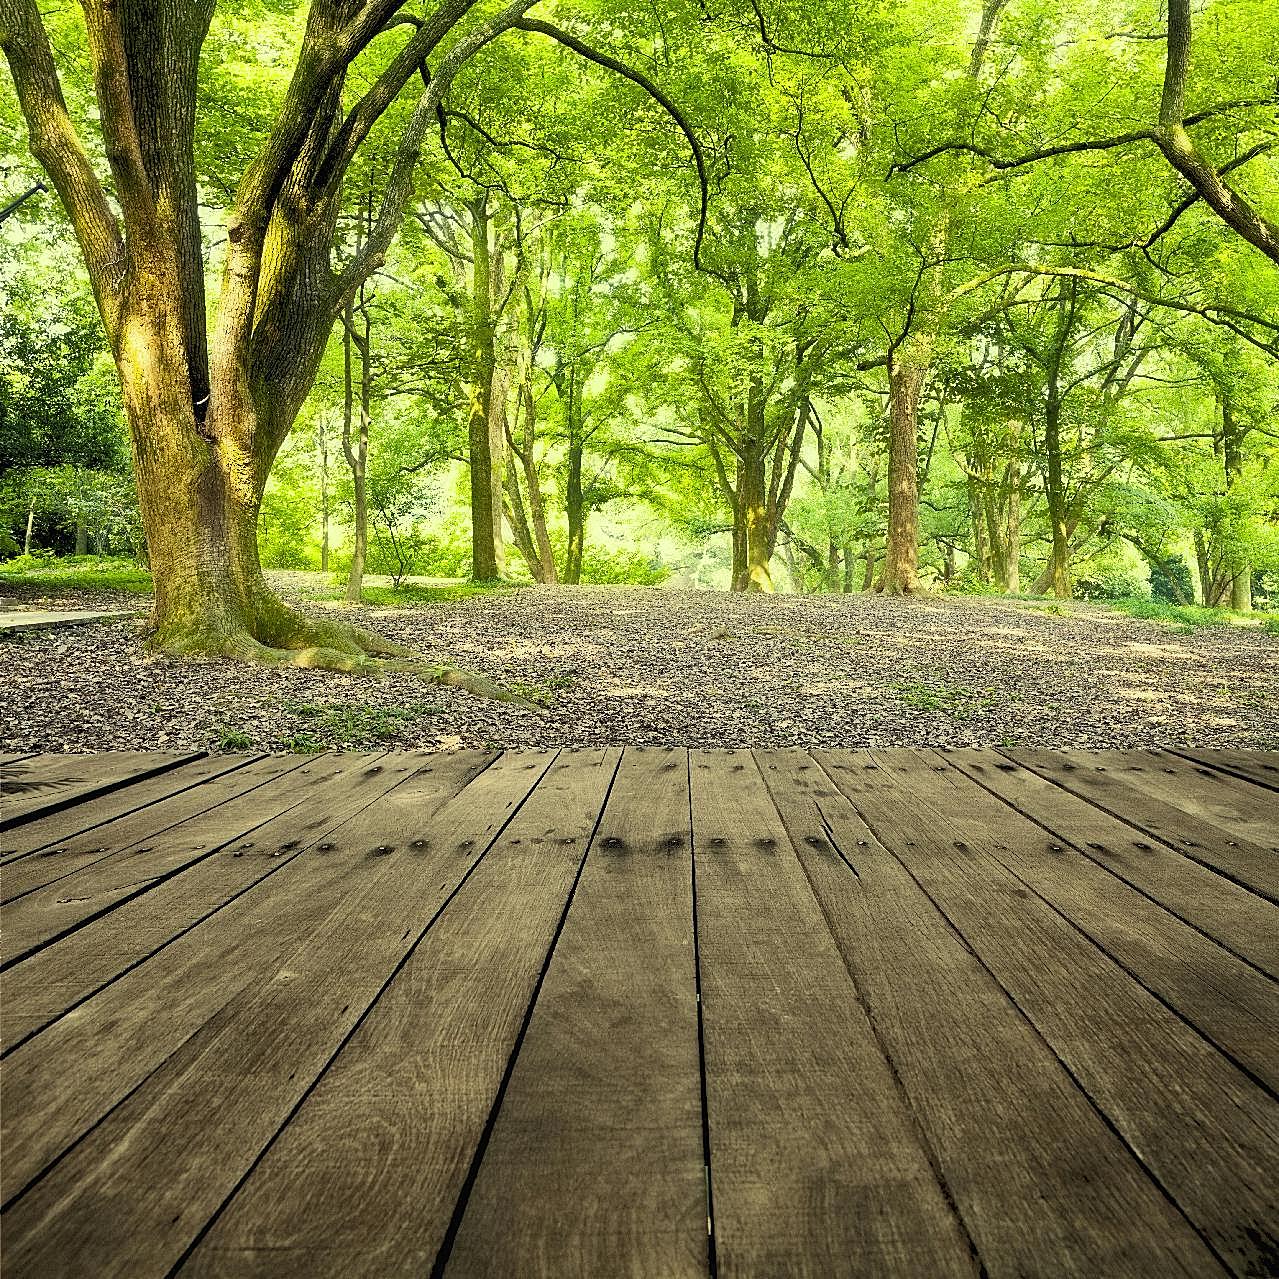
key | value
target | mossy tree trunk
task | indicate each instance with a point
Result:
(899, 573)
(1240, 570)
(532, 535)
(486, 501)
(357, 337)
(208, 410)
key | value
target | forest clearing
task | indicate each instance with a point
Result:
(768, 300)
(637, 665)
(639, 638)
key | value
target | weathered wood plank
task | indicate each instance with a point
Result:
(408, 1098)
(1240, 920)
(47, 783)
(67, 857)
(121, 1035)
(1208, 1133)
(814, 1156)
(1042, 1183)
(1259, 767)
(143, 1184)
(1226, 999)
(1231, 808)
(14, 757)
(64, 975)
(46, 833)
(255, 795)
(595, 1165)
(1252, 865)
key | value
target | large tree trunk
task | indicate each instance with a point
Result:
(1232, 458)
(1055, 491)
(357, 450)
(1011, 581)
(575, 510)
(207, 416)
(486, 506)
(755, 515)
(901, 555)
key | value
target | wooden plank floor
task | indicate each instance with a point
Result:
(641, 1013)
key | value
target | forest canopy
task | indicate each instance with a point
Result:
(762, 295)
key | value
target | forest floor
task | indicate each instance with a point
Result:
(635, 665)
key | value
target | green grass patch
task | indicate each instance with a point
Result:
(1189, 617)
(950, 699)
(332, 724)
(409, 595)
(542, 694)
(77, 572)
(232, 739)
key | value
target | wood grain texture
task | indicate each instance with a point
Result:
(595, 1164)
(138, 1022)
(1227, 1000)
(439, 1014)
(1136, 1059)
(48, 833)
(36, 914)
(62, 976)
(1240, 920)
(1255, 866)
(1258, 767)
(364, 1179)
(1043, 1185)
(146, 1180)
(810, 1138)
(1196, 789)
(46, 783)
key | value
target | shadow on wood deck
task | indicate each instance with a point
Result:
(609, 1013)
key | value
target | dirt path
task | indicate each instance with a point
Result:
(636, 665)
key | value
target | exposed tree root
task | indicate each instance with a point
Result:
(283, 637)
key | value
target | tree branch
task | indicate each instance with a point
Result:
(636, 77)
(399, 187)
(56, 145)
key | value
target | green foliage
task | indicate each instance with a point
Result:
(330, 725)
(1185, 617)
(76, 572)
(622, 567)
(1170, 577)
(636, 390)
(950, 699)
(1115, 584)
(231, 740)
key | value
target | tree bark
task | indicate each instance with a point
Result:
(1012, 546)
(322, 439)
(513, 506)
(574, 510)
(485, 477)
(1232, 458)
(901, 555)
(357, 449)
